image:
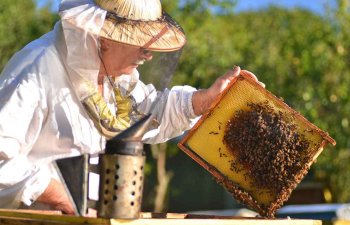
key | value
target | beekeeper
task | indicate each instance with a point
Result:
(63, 94)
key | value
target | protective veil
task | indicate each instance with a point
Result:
(50, 107)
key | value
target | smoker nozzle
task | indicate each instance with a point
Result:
(128, 142)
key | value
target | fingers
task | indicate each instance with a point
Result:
(262, 84)
(252, 75)
(236, 71)
(229, 75)
(232, 73)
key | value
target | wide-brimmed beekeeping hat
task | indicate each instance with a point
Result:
(141, 23)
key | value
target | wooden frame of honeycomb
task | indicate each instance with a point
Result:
(204, 143)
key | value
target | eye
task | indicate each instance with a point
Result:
(145, 51)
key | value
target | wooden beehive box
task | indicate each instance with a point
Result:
(33, 217)
(208, 143)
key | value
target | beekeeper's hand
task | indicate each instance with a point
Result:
(202, 99)
(56, 197)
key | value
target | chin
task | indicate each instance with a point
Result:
(129, 71)
(122, 73)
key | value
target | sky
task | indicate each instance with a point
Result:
(317, 6)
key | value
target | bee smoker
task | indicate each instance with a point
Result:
(121, 175)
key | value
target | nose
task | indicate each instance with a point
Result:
(146, 54)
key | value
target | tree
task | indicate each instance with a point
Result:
(301, 56)
(334, 165)
(20, 23)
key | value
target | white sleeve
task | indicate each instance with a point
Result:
(178, 115)
(22, 112)
(20, 181)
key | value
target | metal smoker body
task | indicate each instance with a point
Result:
(121, 172)
(121, 183)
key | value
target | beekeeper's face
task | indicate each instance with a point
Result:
(118, 59)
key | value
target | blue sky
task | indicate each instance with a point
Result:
(314, 5)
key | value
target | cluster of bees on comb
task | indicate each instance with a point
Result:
(268, 146)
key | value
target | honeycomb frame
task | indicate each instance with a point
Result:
(269, 203)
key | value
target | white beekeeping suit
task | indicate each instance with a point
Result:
(42, 116)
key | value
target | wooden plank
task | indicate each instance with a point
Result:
(12, 217)
(215, 222)
(35, 211)
(341, 222)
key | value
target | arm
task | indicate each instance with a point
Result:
(184, 105)
(20, 179)
(55, 195)
(22, 112)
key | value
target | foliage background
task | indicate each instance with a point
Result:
(301, 56)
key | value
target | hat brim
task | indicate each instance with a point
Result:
(141, 33)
